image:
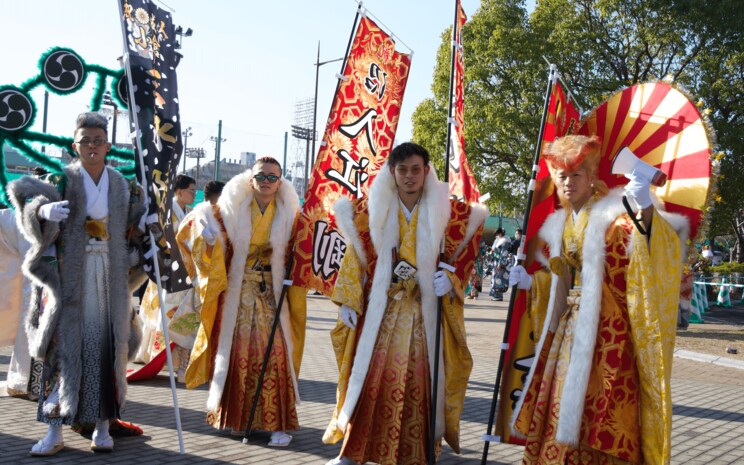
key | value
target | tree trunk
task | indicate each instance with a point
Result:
(738, 224)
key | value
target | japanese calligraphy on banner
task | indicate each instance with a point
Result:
(358, 138)
(149, 41)
(461, 180)
(562, 119)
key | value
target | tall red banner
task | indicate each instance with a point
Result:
(358, 138)
(562, 119)
(462, 182)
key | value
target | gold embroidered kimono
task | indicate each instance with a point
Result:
(240, 281)
(616, 332)
(397, 390)
(275, 410)
(383, 407)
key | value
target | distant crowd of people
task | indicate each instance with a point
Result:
(495, 262)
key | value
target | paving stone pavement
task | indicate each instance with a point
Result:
(708, 422)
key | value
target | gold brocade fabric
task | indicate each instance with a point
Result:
(457, 359)
(653, 295)
(209, 267)
(407, 231)
(390, 423)
(260, 249)
(611, 419)
(347, 291)
(573, 244)
(276, 409)
(542, 447)
(153, 340)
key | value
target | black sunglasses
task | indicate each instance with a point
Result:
(272, 178)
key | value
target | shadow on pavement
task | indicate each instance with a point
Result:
(318, 391)
(707, 413)
(76, 451)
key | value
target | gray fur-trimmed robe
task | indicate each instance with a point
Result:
(60, 325)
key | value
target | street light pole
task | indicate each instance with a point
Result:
(186, 133)
(299, 132)
(198, 153)
(285, 154)
(108, 100)
(181, 34)
(218, 142)
(318, 64)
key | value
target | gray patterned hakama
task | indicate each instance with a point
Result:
(97, 393)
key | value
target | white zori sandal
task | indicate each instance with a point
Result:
(280, 439)
(50, 444)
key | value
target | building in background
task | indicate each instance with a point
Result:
(248, 159)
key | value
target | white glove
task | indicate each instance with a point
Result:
(442, 283)
(638, 190)
(348, 316)
(519, 277)
(54, 211)
(207, 233)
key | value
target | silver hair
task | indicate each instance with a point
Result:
(92, 120)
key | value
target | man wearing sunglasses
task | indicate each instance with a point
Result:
(238, 250)
(387, 289)
(80, 317)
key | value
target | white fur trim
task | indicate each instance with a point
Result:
(235, 208)
(603, 214)
(344, 215)
(552, 232)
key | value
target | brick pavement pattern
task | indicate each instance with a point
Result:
(708, 422)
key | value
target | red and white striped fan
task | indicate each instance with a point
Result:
(664, 129)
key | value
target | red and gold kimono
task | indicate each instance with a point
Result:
(599, 391)
(240, 281)
(383, 397)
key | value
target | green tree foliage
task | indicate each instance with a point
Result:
(600, 47)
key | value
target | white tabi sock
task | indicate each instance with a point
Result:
(102, 430)
(54, 434)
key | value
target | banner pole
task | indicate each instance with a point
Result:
(348, 50)
(335, 94)
(164, 328)
(438, 332)
(269, 346)
(154, 249)
(552, 76)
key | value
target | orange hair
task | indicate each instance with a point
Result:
(571, 153)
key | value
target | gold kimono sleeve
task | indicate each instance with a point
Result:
(653, 282)
(347, 291)
(209, 267)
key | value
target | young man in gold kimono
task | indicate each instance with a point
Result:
(599, 391)
(238, 249)
(388, 286)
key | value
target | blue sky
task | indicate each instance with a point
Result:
(247, 62)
